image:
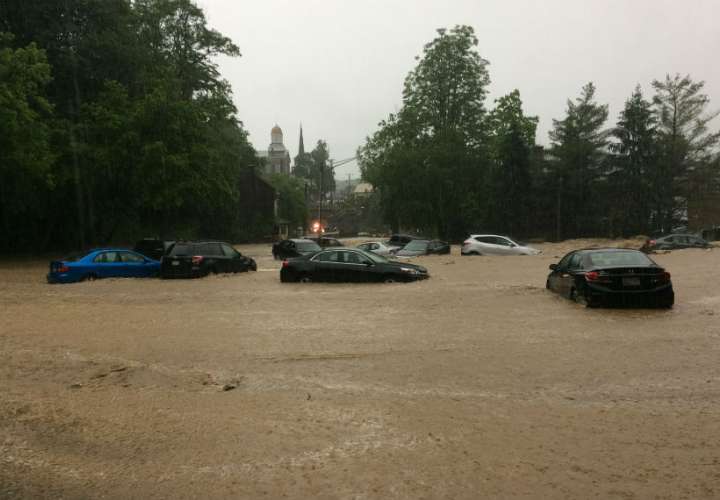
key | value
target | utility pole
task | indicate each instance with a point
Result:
(320, 197)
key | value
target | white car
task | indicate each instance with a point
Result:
(376, 247)
(492, 244)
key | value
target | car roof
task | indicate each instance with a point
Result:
(608, 249)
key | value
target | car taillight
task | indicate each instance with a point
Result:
(63, 268)
(196, 259)
(592, 276)
(651, 242)
(664, 277)
(597, 277)
(285, 263)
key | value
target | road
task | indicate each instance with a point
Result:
(475, 383)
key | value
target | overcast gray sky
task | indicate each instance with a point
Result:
(338, 66)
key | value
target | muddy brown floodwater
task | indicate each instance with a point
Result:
(475, 383)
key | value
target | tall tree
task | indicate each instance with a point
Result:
(579, 144)
(633, 166)
(512, 138)
(25, 151)
(686, 144)
(430, 158)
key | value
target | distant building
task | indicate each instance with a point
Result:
(277, 157)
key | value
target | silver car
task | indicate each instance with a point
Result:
(376, 247)
(492, 244)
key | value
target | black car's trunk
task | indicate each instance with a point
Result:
(630, 278)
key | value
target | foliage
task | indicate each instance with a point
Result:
(579, 144)
(292, 205)
(686, 145)
(429, 160)
(136, 133)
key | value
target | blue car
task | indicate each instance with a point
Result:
(103, 263)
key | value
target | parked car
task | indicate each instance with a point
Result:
(152, 247)
(327, 242)
(675, 242)
(102, 263)
(195, 259)
(492, 244)
(294, 248)
(348, 265)
(398, 241)
(611, 276)
(376, 247)
(423, 247)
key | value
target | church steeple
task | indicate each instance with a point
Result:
(301, 146)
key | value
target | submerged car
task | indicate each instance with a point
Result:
(611, 276)
(327, 242)
(675, 242)
(102, 263)
(348, 265)
(423, 247)
(195, 259)
(295, 247)
(376, 247)
(492, 244)
(398, 241)
(153, 247)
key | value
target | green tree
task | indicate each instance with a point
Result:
(26, 157)
(579, 143)
(686, 145)
(512, 138)
(428, 161)
(634, 158)
(321, 172)
(291, 199)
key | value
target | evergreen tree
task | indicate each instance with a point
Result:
(579, 144)
(686, 146)
(634, 160)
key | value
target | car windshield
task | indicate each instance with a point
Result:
(182, 249)
(379, 259)
(307, 246)
(416, 245)
(612, 259)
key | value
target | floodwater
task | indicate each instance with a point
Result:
(475, 383)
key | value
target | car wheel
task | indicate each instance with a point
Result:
(390, 279)
(89, 277)
(305, 278)
(578, 297)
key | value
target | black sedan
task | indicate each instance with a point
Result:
(294, 248)
(675, 242)
(611, 276)
(423, 247)
(195, 259)
(348, 265)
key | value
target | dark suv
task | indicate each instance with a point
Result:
(152, 247)
(194, 259)
(295, 247)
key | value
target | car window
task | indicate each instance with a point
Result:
(575, 261)
(181, 249)
(486, 239)
(615, 258)
(228, 250)
(212, 249)
(352, 258)
(502, 241)
(130, 257)
(327, 257)
(100, 258)
(563, 264)
(108, 257)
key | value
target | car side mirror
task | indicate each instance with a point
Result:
(368, 263)
(553, 267)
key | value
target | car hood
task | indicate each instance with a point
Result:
(407, 264)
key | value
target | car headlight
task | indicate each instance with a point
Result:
(409, 270)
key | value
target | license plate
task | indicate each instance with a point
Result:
(631, 281)
(176, 263)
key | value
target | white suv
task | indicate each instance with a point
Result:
(492, 244)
